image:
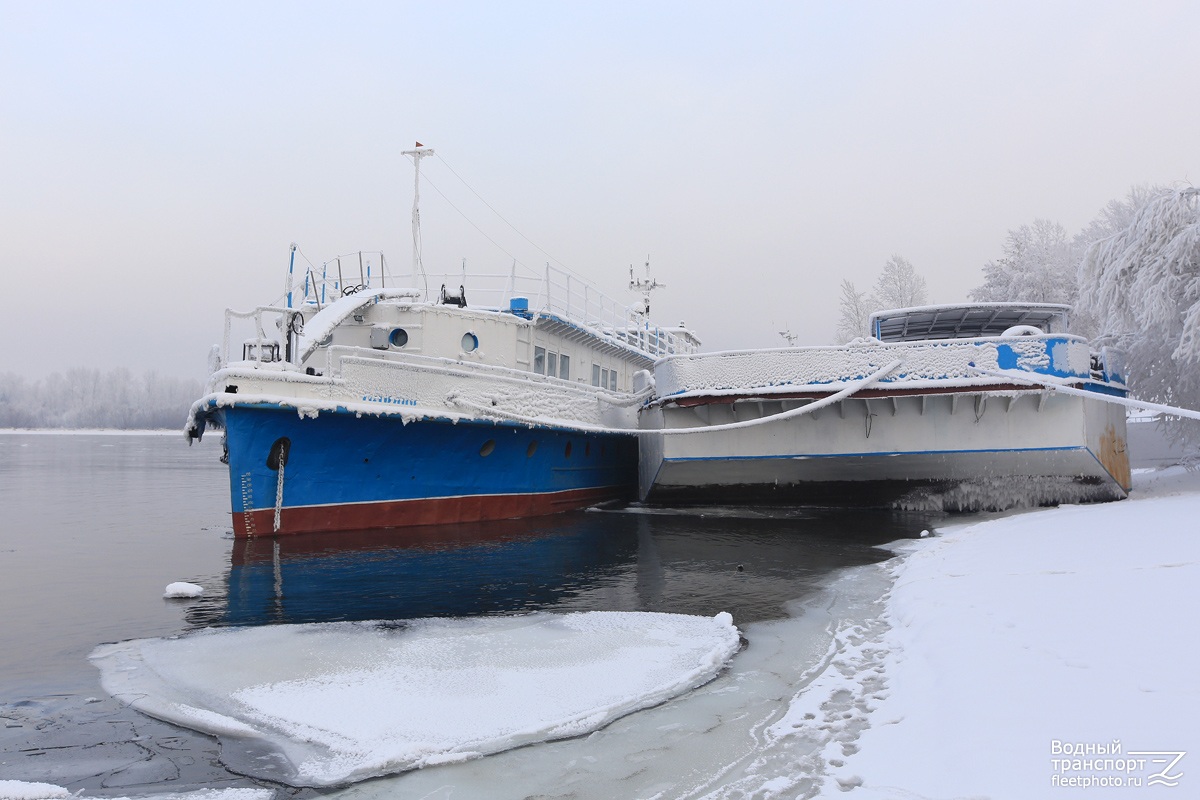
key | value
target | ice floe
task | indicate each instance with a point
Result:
(24, 790)
(182, 589)
(328, 704)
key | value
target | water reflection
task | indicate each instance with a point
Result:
(750, 562)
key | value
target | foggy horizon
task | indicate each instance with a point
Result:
(158, 160)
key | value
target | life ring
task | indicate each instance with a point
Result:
(1022, 330)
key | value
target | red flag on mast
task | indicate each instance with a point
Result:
(420, 145)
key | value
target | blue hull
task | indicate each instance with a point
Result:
(340, 471)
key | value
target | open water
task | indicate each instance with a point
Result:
(93, 527)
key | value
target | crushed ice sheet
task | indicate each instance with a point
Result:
(329, 704)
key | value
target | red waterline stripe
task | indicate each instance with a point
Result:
(408, 513)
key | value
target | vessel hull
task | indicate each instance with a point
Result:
(961, 451)
(348, 471)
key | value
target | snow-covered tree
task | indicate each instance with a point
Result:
(89, 398)
(856, 309)
(1142, 286)
(899, 285)
(1115, 217)
(1039, 266)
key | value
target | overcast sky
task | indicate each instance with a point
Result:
(157, 159)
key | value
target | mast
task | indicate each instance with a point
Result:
(418, 269)
(645, 286)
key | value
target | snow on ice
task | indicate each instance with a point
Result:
(23, 790)
(327, 704)
(182, 589)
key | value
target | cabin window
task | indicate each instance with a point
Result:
(612, 380)
(595, 374)
(603, 379)
(554, 365)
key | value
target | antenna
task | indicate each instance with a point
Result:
(645, 286)
(418, 269)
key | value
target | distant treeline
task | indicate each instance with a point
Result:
(89, 398)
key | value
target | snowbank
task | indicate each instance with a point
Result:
(1036, 655)
(327, 704)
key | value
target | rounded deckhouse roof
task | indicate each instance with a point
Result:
(965, 320)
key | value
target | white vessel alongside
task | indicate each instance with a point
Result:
(975, 406)
(361, 402)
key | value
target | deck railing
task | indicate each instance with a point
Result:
(552, 291)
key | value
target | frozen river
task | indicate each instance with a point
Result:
(95, 525)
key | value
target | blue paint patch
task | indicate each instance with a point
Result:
(1006, 357)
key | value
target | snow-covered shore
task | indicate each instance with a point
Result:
(1037, 655)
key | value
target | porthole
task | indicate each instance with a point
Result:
(567, 450)
(487, 448)
(470, 342)
(529, 451)
(398, 337)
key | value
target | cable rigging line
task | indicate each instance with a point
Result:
(476, 227)
(540, 249)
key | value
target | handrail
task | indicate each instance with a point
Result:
(256, 314)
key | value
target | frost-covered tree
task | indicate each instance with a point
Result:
(855, 309)
(1142, 286)
(89, 398)
(899, 285)
(1039, 266)
(1115, 217)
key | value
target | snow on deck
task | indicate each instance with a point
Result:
(923, 364)
(327, 704)
(1047, 654)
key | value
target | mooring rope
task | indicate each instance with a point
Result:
(1025, 377)
(816, 405)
